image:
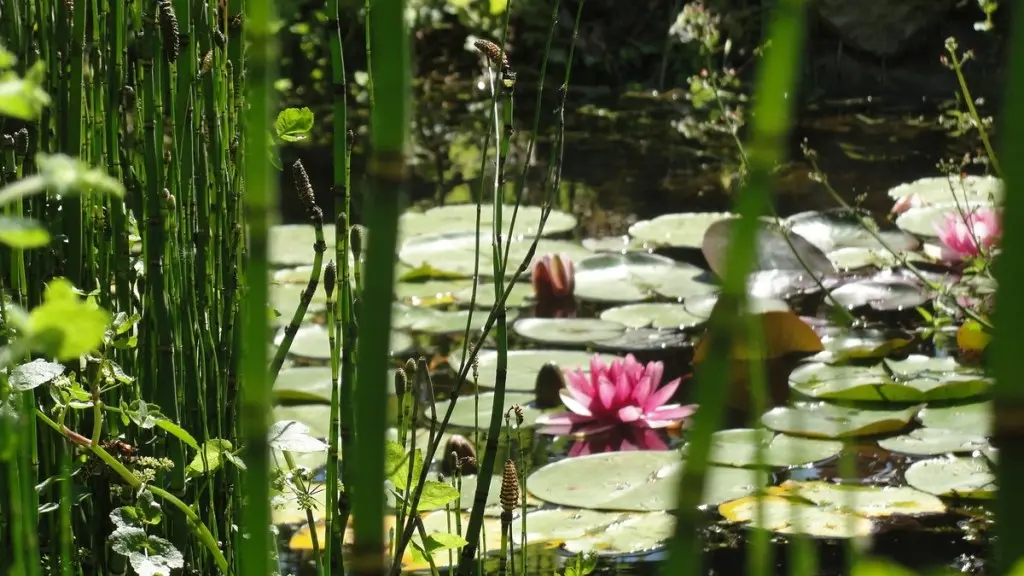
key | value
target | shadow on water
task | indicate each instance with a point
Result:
(629, 163)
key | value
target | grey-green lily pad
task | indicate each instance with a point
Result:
(923, 220)
(790, 516)
(638, 481)
(644, 340)
(654, 315)
(975, 418)
(317, 417)
(314, 383)
(635, 533)
(954, 476)
(293, 436)
(444, 323)
(455, 252)
(840, 228)
(517, 297)
(312, 343)
(617, 244)
(783, 284)
(285, 299)
(292, 244)
(854, 258)
(430, 292)
(560, 524)
(636, 276)
(466, 415)
(739, 447)
(943, 189)
(462, 218)
(934, 441)
(684, 230)
(823, 420)
(859, 344)
(523, 366)
(774, 249)
(916, 379)
(567, 330)
(885, 291)
(870, 501)
(940, 378)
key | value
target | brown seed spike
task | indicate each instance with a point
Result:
(169, 29)
(494, 53)
(330, 278)
(304, 189)
(509, 487)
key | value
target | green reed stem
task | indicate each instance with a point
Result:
(769, 128)
(331, 531)
(957, 64)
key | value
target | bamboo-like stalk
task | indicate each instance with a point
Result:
(771, 122)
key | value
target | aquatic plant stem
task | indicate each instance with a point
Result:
(957, 65)
(770, 126)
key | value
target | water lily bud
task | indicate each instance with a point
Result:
(509, 497)
(460, 456)
(553, 277)
(330, 278)
(550, 382)
(401, 382)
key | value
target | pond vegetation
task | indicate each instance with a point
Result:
(759, 363)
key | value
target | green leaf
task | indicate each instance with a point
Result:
(442, 541)
(437, 495)
(427, 272)
(581, 565)
(215, 452)
(148, 555)
(34, 374)
(67, 175)
(7, 58)
(23, 233)
(65, 326)
(396, 465)
(293, 436)
(294, 124)
(21, 98)
(178, 432)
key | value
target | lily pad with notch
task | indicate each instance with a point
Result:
(739, 448)
(841, 228)
(683, 230)
(462, 218)
(456, 252)
(567, 331)
(824, 420)
(973, 418)
(659, 315)
(945, 189)
(954, 476)
(934, 441)
(784, 515)
(886, 291)
(923, 221)
(311, 343)
(773, 249)
(523, 366)
(636, 276)
(466, 415)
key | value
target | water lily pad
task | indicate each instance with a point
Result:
(466, 415)
(870, 501)
(840, 228)
(635, 480)
(934, 441)
(635, 533)
(823, 420)
(317, 417)
(292, 244)
(619, 244)
(685, 230)
(738, 447)
(773, 250)
(644, 340)
(445, 323)
(784, 284)
(462, 218)
(885, 291)
(521, 292)
(454, 252)
(430, 292)
(859, 344)
(916, 379)
(285, 299)
(309, 383)
(636, 276)
(975, 418)
(567, 330)
(311, 343)
(943, 189)
(788, 516)
(783, 333)
(941, 378)
(961, 477)
(654, 315)
(922, 221)
(523, 366)
(858, 257)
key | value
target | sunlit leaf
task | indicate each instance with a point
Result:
(294, 124)
(214, 452)
(23, 233)
(34, 374)
(65, 326)
(292, 436)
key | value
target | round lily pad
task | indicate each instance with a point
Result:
(310, 382)
(923, 220)
(934, 441)
(961, 477)
(975, 418)
(783, 284)
(619, 244)
(788, 516)
(870, 501)
(644, 340)
(430, 292)
(942, 189)
(454, 252)
(916, 379)
(636, 480)
(292, 244)
(841, 228)
(567, 330)
(285, 299)
(823, 420)
(635, 533)
(654, 315)
(859, 344)
(859, 257)
(636, 276)
(523, 366)
(521, 292)
(315, 416)
(885, 291)
(312, 343)
(462, 218)
(774, 251)
(739, 447)
(465, 414)
(940, 378)
(443, 323)
(685, 230)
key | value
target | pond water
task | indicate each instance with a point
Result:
(863, 415)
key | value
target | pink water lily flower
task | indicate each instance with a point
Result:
(624, 392)
(553, 277)
(964, 235)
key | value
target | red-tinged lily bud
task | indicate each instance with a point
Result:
(554, 277)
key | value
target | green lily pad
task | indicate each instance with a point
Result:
(922, 221)
(943, 189)
(636, 276)
(455, 252)
(961, 477)
(684, 230)
(774, 249)
(869, 501)
(634, 533)
(310, 382)
(738, 447)
(841, 228)
(285, 299)
(292, 244)
(567, 330)
(430, 292)
(934, 441)
(854, 258)
(644, 340)
(886, 291)
(462, 218)
(523, 366)
(859, 344)
(465, 413)
(517, 298)
(916, 379)
(654, 315)
(789, 516)
(312, 343)
(639, 481)
(616, 244)
(975, 418)
(942, 378)
(823, 420)
(445, 323)
(317, 417)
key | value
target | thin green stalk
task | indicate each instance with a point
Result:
(957, 63)
(330, 530)
(771, 123)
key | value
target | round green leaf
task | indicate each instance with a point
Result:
(922, 221)
(958, 477)
(311, 342)
(291, 245)
(934, 441)
(466, 415)
(636, 276)
(523, 366)
(462, 218)
(973, 418)
(944, 189)
(455, 252)
(739, 447)
(655, 315)
(567, 330)
(633, 533)
(788, 516)
(822, 420)
(685, 230)
(870, 501)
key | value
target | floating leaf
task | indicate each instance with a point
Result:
(973, 418)
(462, 218)
(456, 252)
(636, 533)
(655, 315)
(885, 291)
(312, 343)
(445, 323)
(310, 384)
(615, 244)
(23, 233)
(953, 476)
(783, 333)
(567, 330)
(841, 228)
(636, 276)
(292, 436)
(789, 516)
(924, 220)
(822, 420)
(431, 292)
(523, 366)
(635, 480)
(517, 297)
(934, 441)
(464, 414)
(685, 230)
(426, 272)
(916, 379)
(34, 374)
(870, 501)
(739, 447)
(774, 251)
(946, 189)
(292, 244)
